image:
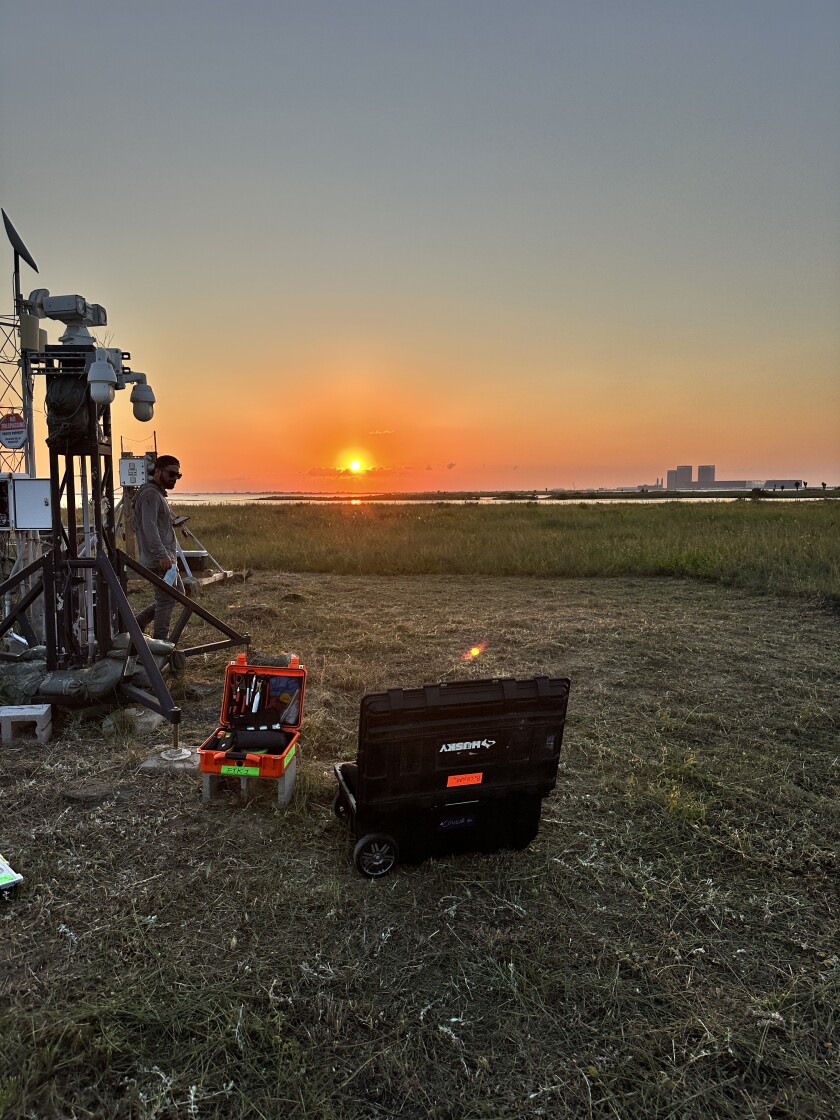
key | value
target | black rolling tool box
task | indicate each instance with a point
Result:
(451, 767)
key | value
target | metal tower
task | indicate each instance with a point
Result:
(78, 581)
(15, 375)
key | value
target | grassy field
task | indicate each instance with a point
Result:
(666, 948)
(791, 548)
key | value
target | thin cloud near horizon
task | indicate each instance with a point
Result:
(345, 472)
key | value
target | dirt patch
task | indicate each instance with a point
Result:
(664, 948)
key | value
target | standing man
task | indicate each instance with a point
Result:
(156, 540)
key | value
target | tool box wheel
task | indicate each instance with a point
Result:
(526, 823)
(375, 854)
(341, 808)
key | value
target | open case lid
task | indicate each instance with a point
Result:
(462, 703)
(268, 693)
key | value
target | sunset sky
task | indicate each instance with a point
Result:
(466, 243)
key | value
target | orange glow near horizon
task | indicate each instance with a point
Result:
(614, 430)
(605, 441)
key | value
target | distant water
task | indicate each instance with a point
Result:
(237, 498)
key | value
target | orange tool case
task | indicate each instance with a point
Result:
(259, 725)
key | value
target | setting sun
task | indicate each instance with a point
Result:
(355, 466)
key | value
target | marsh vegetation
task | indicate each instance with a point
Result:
(784, 549)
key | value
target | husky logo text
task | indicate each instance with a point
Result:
(470, 745)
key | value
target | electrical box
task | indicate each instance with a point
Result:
(136, 469)
(33, 503)
(25, 503)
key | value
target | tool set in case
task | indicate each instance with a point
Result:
(259, 727)
(451, 767)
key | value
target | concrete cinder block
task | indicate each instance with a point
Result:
(19, 716)
(171, 761)
(285, 786)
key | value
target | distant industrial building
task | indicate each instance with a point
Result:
(682, 479)
(642, 487)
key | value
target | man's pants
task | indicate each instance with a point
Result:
(160, 611)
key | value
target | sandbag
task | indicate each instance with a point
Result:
(141, 677)
(122, 641)
(19, 681)
(62, 685)
(102, 678)
(78, 685)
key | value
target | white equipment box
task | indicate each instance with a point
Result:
(135, 469)
(25, 503)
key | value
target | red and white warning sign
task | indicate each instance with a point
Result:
(12, 430)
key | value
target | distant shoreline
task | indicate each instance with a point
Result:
(543, 495)
(501, 497)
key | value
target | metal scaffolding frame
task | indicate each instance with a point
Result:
(71, 595)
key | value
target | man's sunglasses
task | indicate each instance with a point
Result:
(172, 474)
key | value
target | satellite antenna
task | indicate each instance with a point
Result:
(20, 252)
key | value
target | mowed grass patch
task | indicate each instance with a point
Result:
(791, 548)
(665, 948)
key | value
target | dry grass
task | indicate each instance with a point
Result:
(664, 949)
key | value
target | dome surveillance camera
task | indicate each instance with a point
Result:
(102, 381)
(143, 400)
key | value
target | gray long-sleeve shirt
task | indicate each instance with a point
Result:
(153, 525)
